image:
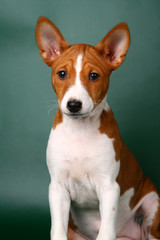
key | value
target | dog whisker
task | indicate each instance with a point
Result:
(52, 108)
(53, 105)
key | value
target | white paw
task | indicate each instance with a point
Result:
(58, 236)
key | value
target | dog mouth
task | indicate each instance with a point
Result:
(78, 114)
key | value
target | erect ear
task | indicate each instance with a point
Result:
(50, 40)
(114, 45)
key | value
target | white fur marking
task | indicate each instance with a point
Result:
(78, 67)
(82, 160)
(78, 92)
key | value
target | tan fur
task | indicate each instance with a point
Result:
(102, 60)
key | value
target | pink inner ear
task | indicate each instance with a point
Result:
(113, 47)
(49, 52)
(49, 41)
(57, 52)
(116, 46)
(53, 51)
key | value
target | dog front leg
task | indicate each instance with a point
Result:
(109, 199)
(59, 200)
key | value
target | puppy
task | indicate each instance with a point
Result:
(97, 188)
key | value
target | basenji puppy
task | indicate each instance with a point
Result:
(97, 188)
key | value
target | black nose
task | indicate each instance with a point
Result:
(74, 106)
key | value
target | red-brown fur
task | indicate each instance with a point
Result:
(101, 60)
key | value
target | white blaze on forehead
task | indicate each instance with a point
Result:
(78, 67)
(78, 92)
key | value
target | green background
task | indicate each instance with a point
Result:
(26, 98)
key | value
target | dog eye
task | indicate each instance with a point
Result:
(62, 74)
(93, 76)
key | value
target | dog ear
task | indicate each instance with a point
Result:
(114, 45)
(50, 41)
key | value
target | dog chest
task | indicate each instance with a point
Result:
(81, 159)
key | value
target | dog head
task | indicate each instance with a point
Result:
(80, 72)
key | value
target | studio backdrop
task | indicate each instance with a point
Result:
(28, 103)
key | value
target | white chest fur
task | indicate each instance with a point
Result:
(82, 158)
(82, 162)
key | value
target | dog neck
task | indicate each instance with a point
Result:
(88, 123)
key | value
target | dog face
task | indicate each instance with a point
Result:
(80, 80)
(80, 73)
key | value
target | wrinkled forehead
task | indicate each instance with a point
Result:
(90, 58)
